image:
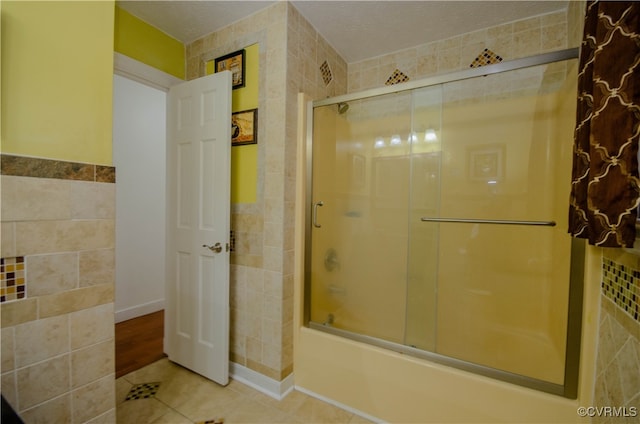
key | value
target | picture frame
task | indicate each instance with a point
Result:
(233, 62)
(486, 163)
(244, 127)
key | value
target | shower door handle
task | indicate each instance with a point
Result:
(315, 213)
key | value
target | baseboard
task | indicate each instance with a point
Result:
(340, 405)
(139, 310)
(270, 387)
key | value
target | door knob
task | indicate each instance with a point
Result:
(216, 248)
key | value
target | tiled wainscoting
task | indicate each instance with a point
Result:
(618, 363)
(57, 342)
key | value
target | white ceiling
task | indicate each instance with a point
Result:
(356, 29)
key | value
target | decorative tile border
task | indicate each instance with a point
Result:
(23, 166)
(13, 285)
(621, 284)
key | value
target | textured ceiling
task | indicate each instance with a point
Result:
(356, 29)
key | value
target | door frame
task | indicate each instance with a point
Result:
(142, 73)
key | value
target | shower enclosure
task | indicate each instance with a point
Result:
(437, 221)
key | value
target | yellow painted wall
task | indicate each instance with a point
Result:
(244, 159)
(57, 72)
(147, 44)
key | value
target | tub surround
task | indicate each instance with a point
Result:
(58, 340)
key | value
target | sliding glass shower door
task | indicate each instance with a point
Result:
(438, 221)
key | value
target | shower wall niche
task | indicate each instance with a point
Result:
(437, 221)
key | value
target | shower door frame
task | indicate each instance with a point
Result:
(577, 262)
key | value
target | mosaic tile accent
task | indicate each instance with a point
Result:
(13, 285)
(22, 166)
(327, 76)
(396, 78)
(621, 284)
(487, 57)
(143, 391)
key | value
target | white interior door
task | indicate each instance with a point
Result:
(198, 162)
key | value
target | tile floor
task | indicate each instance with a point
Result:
(185, 397)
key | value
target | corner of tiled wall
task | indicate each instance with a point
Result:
(58, 356)
(618, 353)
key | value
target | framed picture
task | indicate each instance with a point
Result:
(244, 127)
(233, 62)
(486, 163)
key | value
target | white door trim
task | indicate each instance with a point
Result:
(142, 73)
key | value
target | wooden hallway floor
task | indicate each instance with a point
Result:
(139, 342)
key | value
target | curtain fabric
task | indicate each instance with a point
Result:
(605, 188)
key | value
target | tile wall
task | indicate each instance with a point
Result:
(618, 363)
(509, 41)
(293, 58)
(58, 339)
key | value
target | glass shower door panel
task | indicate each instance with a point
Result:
(361, 173)
(503, 289)
(502, 303)
(422, 266)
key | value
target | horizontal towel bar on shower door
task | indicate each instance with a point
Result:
(490, 221)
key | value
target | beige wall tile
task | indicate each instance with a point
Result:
(253, 326)
(92, 363)
(263, 369)
(41, 339)
(253, 349)
(92, 325)
(7, 349)
(76, 300)
(629, 365)
(613, 384)
(38, 237)
(97, 267)
(527, 43)
(56, 410)
(29, 199)
(48, 274)
(18, 312)
(109, 417)
(8, 239)
(43, 381)
(93, 400)
(9, 389)
(90, 200)
(554, 37)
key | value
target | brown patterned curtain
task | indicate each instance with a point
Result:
(605, 189)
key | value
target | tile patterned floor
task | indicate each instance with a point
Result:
(185, 397)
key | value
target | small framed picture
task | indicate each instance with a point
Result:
(233, 62)
(244, 127)
(486, 163)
